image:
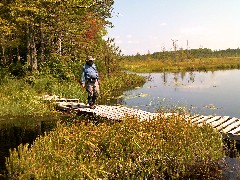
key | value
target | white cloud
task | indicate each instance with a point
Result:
(133, 42)
(129, 36)
(153, 37)
(163, 24)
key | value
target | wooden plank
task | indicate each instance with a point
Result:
(229, 126)
(235, 131)
(197, 119)
(227, 123)
(192, 117)
(219, 121)
(203, 120)
(213, 119)
(232, 126)
(72, 100)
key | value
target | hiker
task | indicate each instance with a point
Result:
(90, 80)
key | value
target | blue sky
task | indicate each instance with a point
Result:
(142, 26)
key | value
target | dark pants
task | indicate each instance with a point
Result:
(93, 91)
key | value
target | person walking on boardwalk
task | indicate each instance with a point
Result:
(90, 80)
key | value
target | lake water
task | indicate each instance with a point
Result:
(21, 130)
(205, 93)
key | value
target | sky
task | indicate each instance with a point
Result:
(148, 26)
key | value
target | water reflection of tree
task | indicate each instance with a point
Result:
(164, 77)
(12, 134)
(183, 74)
(175, 77)
(179, 77)
(191, 77)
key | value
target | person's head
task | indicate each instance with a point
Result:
(90, 60)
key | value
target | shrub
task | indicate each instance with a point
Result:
(113, 86)
(159, 149)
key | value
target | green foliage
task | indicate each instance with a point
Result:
(19, 98)
(184, 54)
(113, 86)
(205, 64)
(17, 70)
(36, 31)
(183, 60)
(159, 149)
(4, 74)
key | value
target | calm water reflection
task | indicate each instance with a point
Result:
(215, 93)
(21, 130)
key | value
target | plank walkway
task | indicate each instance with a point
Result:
(228, 126)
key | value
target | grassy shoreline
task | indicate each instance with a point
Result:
(19, 97)
(202, 64)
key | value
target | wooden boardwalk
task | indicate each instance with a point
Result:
(228, 126)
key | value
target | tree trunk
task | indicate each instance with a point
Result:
(33, 53)
(4, 59)
(31, 49)
(42, 44)
(28, 46)
(59, 45)
(18, 55)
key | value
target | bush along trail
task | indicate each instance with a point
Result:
(166, 148)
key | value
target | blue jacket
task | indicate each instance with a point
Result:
(89, 72)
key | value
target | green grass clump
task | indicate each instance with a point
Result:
(160, 149)
(19, 98)
(113, 86)
(22, 97)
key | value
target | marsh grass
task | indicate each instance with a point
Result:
(113, 86)
(21, 97)
(203, 64)
(160, 149)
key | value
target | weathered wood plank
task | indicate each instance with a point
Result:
(235, 131)
(219, 121)
(227, 123)
(203, 120)
(189, 118)
(232, 126)
(213, 119)
(196, 119)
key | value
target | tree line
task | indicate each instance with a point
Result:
(185, 54)
(35, 34)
